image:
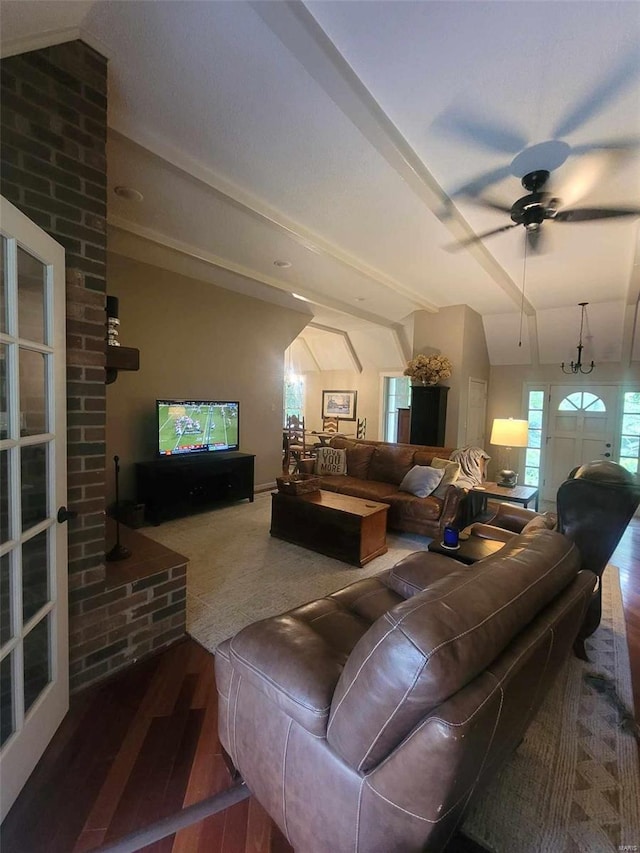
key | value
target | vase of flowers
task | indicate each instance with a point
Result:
(428, 369)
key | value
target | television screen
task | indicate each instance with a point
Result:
(197, 426)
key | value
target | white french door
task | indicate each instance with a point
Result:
(581, 427)
(34, 668)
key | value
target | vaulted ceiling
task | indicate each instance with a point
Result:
(353, 142)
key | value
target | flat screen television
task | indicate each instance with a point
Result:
(189, 427)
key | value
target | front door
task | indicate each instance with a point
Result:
(581, 428)
(34, 669)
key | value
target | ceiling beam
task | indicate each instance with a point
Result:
(347, 340)
(303, 36)
(196, 172)
(118, 225)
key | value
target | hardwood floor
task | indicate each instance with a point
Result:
(144, 744)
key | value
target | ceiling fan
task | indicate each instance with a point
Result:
(484, 132)
(537, 207)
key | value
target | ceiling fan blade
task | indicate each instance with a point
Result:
(475, 186)
(480, 131)
(589, 214)
(619, 79)
(580, 175)
(492, 205)
(460, 244)
(612, 147)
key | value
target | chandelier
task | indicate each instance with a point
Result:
(578, 367)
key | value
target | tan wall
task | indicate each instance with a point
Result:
(458, 333)
(475, 365)
(367, 384)
(200, 341)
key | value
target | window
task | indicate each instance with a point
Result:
(582, 400)
(397, 394)
(293, 395)
(630, 432)
(534, 446)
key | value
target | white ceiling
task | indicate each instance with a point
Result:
(337, 136)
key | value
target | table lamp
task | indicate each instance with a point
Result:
(508, 433)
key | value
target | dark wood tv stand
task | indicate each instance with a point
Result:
(180, 485)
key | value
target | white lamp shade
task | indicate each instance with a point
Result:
(508, 432)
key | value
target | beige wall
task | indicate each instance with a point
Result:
(367, 384)
(458, 333)
(200, 341)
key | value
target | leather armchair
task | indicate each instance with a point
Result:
(594, 506)
(367, 720)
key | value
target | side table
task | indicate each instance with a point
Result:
(517, 495)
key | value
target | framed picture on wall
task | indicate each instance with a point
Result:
(339, 404)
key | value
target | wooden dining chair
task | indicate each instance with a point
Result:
(361, 429)
(330, 424)
(295, 441)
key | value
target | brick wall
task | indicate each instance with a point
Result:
(54, 128)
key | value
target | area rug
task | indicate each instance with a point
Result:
(574, 782)
(237, 573)
(573, 786)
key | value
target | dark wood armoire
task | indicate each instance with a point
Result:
(428, 414)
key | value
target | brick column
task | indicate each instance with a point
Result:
(54, 130)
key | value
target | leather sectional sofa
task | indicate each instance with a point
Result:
(375, 470)
(369, 719)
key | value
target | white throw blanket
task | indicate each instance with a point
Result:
(472, 466)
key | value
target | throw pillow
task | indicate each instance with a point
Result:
(330, 460)
(358, 459)
(421, 480)
(451, 474)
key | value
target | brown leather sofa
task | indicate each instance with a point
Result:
(368, 720)
(375, 470)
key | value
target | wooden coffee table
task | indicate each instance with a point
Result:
(470, 551)
(350, 529)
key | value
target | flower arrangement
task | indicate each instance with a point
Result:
(428, 369)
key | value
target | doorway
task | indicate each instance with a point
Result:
(34, 655)
(581, 427)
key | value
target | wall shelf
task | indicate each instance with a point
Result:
(121, 358)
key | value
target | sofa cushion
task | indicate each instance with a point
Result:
(358, 460)
(419, 570)
(330, 460)
(421, 480)
(404, 507)
(425, 457)
(336, 482)
(370, 490)
(451, 474)
(390, 464)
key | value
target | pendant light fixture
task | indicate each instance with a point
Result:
(578, 367)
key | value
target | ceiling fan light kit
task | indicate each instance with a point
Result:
(577, 366)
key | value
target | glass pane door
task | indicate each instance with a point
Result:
(33, 585)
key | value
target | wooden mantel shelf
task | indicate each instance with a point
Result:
(121, 358)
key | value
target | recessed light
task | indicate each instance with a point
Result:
(128, 193)
(282, 264)
(301, 298)
(360, 298)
